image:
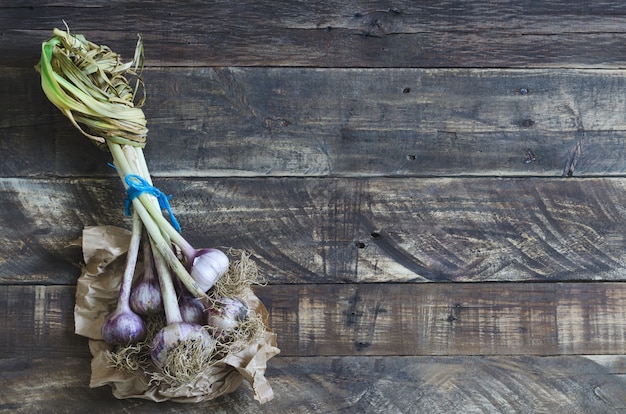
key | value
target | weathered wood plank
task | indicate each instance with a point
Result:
(334, 33)
(615, 364)
(342, 230)
(39, 322)
(375, 319)
(350, 384)
(448, 319)
(341, 122)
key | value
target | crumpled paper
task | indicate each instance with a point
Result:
(104, 250)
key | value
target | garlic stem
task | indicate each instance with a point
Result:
(170, 302)
(141, 205)
(188, 250)
(131, 263)
(177, 334)
(123, 326)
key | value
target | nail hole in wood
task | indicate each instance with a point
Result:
(526, 123)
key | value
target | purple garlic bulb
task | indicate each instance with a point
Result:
(191, 309)
(145, 298)
(123, 327)
(176, 334)
(226, 316)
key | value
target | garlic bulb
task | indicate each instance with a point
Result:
(208, 266)
(226, 316)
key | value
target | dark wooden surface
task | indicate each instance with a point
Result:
(434, 192)
(321, 230)
(336, 33)
(342, 122)
(377, 319)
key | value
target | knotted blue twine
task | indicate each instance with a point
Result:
(137, 186)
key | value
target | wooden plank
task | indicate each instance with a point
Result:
(334, 33)
(375, 319)
(615, 364)
(342, 230)
(350, 384)
(398, 319)
(38, 321)
(602, 317)
(448, 319)
(341, 122)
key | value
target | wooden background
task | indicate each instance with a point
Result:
(434, 191)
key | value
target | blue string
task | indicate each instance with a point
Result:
(137, 185)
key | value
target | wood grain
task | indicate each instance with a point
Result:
(342, 230)
(39, 321)
(350, 384)
(448, 319)
(333, 33)
(340, 122)
(375, 319)
(356, 149)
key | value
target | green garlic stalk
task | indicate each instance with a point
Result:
(90, 85)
